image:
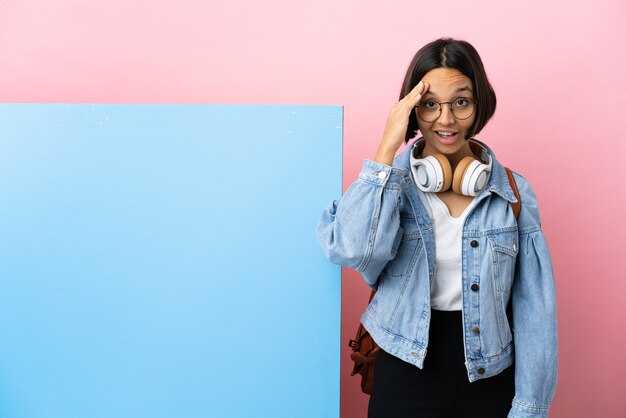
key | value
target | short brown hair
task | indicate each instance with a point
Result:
(451, 53)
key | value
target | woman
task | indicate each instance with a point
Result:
(434, 232)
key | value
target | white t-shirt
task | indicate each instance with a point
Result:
(445, 294)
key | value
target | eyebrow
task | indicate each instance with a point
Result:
(459, 90)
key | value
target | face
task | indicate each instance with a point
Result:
(446, 134)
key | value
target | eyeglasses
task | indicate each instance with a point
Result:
(462, 108)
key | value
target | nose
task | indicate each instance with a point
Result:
(445, 115)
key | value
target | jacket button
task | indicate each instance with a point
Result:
(474, 243)
(475, 287)
(481, 370)
(476, 330)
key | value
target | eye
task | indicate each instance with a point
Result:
(461, 102)
(430, 105)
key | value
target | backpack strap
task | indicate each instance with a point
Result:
(517, 207)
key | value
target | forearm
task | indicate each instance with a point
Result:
(362, 229)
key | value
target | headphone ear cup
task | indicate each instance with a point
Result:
(459, 174)
(432, 174)
(446, 168)
(470, 177)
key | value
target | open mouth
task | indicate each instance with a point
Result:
(447, 137)
(446, 134)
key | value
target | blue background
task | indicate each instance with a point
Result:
(161, 261)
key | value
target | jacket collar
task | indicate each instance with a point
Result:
(498, 180)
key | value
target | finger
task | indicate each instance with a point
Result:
(419, 87)
(417, 92)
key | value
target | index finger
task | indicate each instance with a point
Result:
(417, 92)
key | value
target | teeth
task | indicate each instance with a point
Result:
(445, 133)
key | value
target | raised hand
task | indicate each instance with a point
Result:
(397, 123)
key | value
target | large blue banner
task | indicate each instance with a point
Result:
(161, 261)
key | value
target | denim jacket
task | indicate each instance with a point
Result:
(382, 227)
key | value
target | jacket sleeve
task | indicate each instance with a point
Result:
(534, 315)
(362, 230)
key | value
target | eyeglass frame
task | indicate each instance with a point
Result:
(451, 110)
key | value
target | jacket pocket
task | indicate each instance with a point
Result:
(408, 249)
(504, 247)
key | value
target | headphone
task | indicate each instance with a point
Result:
(434, 173)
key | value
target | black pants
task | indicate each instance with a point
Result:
(441, 389)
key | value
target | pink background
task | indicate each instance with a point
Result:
(558, 71)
